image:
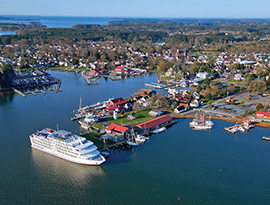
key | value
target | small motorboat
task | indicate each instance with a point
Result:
(132, 144)
(158, 130)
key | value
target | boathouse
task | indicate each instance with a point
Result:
(117, 132)
(147, 127)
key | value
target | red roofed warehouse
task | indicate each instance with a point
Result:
(263, 115)
(147, 127)
(118, 132)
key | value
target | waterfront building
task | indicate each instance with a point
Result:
(263, 115)
(147, 127)
(117, 132)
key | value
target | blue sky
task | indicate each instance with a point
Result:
(139, 8)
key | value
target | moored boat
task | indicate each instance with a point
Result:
(68, 146)
(158, 130)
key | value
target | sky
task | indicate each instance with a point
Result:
(139, 8)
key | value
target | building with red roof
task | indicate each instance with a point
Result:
(181, 108)
(118, 132)
(117, 102)
(147, 127)
(263, 115)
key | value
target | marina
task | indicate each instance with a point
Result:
(222, 159)
(242, 127)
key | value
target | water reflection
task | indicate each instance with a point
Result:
(63, 171)
(6, 97)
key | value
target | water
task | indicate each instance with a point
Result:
(60, 21)
(195, 167)
(7, 32)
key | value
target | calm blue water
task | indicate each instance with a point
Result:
(197, 167)
(61, 21)
(7, 32)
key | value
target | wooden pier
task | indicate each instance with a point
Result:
(19, 92)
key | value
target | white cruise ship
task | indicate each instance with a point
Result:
(67, 146)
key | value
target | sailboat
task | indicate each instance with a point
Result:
(131, 141)
(202, 125)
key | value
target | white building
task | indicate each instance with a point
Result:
(203, 75)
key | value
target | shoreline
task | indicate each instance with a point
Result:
(232, 120)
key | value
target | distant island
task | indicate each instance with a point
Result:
(16, 26)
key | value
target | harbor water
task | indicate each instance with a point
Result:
(178, 166)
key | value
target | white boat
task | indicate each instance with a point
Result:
(240, 128)
(158, 130)
(84, 125)
(172, 91)
(90, 118)
(209, 122)
(68, 146)
(132, 144)
(202, 127)
(194, 122)
(141, 139)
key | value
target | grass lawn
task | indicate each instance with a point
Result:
(98, 125)
(141, 116)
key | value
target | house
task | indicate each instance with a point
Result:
(194, 103)
(117, 102)
(155, 113)
(246, 122)
(203, 75)
(147, 127)
(144, 92)
(238, 77)
(230, 100)
(119, 70)
(93, 73)
(131, 117)
(181, 108)
(118, 132)
(263, 115)
(184, 100)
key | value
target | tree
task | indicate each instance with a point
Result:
(259, 107)
(136, 106)
(207, 81)
(6, 74)
(75, 61)
(208, 96)
(199, 89)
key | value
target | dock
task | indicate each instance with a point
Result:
(90, 80)
(238, 127)
(19, 92)
(155, 85)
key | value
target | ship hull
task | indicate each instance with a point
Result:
(68, 158)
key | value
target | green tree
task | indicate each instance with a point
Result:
(208, 96)
(259, 107)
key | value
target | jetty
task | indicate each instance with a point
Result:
(19, 92)
(156, 85)
(238, 127)
(90, 80)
